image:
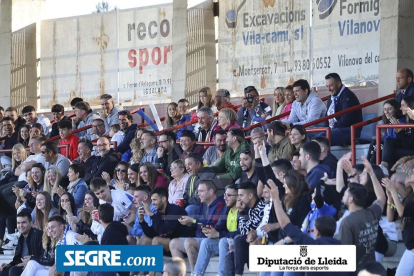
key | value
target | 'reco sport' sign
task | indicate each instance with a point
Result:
(124, 53)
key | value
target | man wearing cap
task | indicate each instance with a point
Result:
(222, 99)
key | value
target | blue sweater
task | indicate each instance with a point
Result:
(314, 175)
(209, 215)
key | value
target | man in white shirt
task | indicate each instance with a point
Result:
(123, 203)
(29, 113)
(308, 106)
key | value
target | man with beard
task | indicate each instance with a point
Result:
(167, 151)
(248, 169)
(360, 227)
(216, 243)
(279, 142)
(165, 225)
(214, 153)
(125, 122)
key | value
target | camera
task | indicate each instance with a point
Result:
(250, 98)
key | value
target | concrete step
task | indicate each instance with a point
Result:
(361, 150)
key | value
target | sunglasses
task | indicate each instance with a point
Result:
(121, 170)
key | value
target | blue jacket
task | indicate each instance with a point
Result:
(408, 92)
(316, 173)
(184, 119)
(221, 225)
(136, 229)
(209, 215)
(129, 135)
(79, 192)
(346, 100)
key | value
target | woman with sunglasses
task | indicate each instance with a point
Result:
(120, 178)
(179, 180)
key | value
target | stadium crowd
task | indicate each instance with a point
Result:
(203, 200)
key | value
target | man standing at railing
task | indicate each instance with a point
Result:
(110, 112)
(405, 83)
(341, 98)
(307, 107)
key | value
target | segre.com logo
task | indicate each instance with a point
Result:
(109, 258)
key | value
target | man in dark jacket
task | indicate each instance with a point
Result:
(216, 243)
(405, 83)
(341, 98)
(17, 120)
(108, 158)
(125, 122)
(29, 244)
(115, 232)
(86, 159)
(309, 155)
(165, 224)
(167, 151)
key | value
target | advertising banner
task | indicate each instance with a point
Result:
(125, 51)
(345, 40)
(145, 58)
(261, 43)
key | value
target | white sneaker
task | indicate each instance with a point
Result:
(384, 170)
(12, 237)
(10, 245)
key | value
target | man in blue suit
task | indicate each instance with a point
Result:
(405, 83)
(341, 98)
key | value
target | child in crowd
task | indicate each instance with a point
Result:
(116, 134)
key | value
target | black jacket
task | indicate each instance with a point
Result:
(34, 244)
(346, 100)
(47, 258)
(20, 121)
(83, 228)
(166, 224)
(89, 167)
(55, 127)
(165, 161)
(129, 135)
(115, 234)
(106, 163)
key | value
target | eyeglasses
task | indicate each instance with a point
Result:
(102, 145)
(121, 170)
(229, 195)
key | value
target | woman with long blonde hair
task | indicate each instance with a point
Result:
(19, 154)
(279, 102)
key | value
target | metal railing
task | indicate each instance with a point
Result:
(378, 135)
(353, 135)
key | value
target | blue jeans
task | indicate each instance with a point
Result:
(208, 247)
(192, 210)
(406, 265)
(226, 259)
